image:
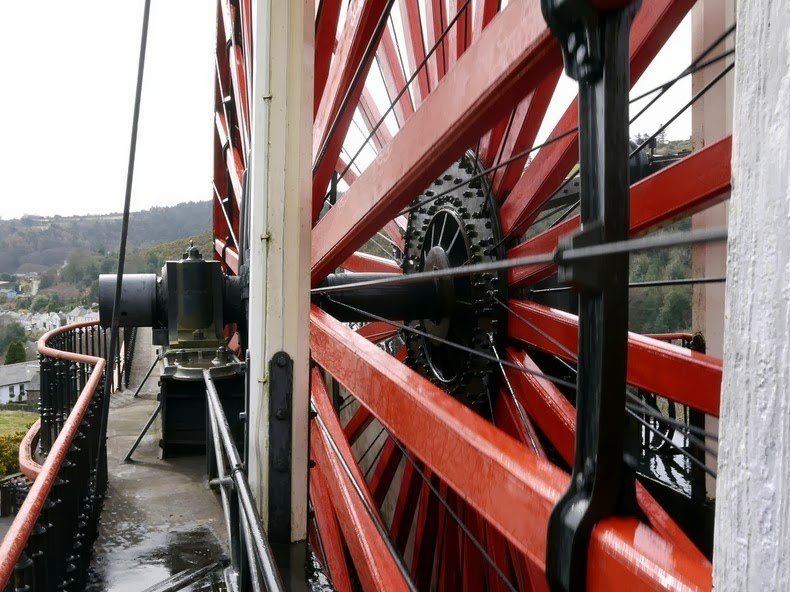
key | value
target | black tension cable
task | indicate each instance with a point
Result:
(108, 371)
(645, 284)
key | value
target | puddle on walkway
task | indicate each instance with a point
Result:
(133, 559)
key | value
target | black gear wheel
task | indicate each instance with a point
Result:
(459, 228)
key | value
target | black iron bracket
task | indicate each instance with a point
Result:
(595, 46)
(584, 275)
(280, 428)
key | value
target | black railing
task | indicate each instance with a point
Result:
(129, 343)
(252, 562)
(49, 544)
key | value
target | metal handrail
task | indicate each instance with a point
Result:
(16, 539)
(260, 556)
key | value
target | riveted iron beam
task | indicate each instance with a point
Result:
(280, 431)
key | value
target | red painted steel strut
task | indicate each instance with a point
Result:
(595, 48)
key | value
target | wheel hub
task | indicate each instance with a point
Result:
(459, 228)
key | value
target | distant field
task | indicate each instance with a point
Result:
(16, 421)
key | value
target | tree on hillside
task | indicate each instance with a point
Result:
(10, 333)
(15, 353)
(48, 278)
(40, 302)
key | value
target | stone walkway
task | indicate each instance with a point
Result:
(159, 517)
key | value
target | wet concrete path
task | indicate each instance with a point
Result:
(159, 517)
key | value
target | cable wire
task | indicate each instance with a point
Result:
(116, 306)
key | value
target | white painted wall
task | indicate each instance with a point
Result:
(5, 393)
(752, 538)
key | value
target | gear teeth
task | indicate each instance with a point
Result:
(473, 204)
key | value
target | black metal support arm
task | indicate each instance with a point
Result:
(596, 49)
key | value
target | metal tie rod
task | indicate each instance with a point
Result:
(558, 256)
(184, 578)
(147, 426)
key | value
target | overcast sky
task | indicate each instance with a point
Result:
(68, 72)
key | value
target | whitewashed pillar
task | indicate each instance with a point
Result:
(279, 239)
(752, 538)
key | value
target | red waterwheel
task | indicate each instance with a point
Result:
(435, 465)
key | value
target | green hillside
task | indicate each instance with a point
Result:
(36, 243)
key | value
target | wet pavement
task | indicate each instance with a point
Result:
(160, 517)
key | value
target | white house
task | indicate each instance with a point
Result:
(80, 314)
(14, 382)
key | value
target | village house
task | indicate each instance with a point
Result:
(81, 314)
(15, 380)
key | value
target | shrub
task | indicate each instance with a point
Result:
(9, 453)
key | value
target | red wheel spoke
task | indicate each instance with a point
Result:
(425, 535)
(377, 332)
(361, 20)
(358, 423)
(393, 230)
(682, 375)
(362, 262)
(394, 79)
(654, 23)
(385, 469)
(374, 563)
(227, 254)
(405, 507)
(497, 548)
(527, 119)
(371, 115)
(325, 37)
(436, 23)
(331, 539)
(692, 184)
(460, 35)
(415, 48)
(520, 52)
(450, 552)
(474, 565)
